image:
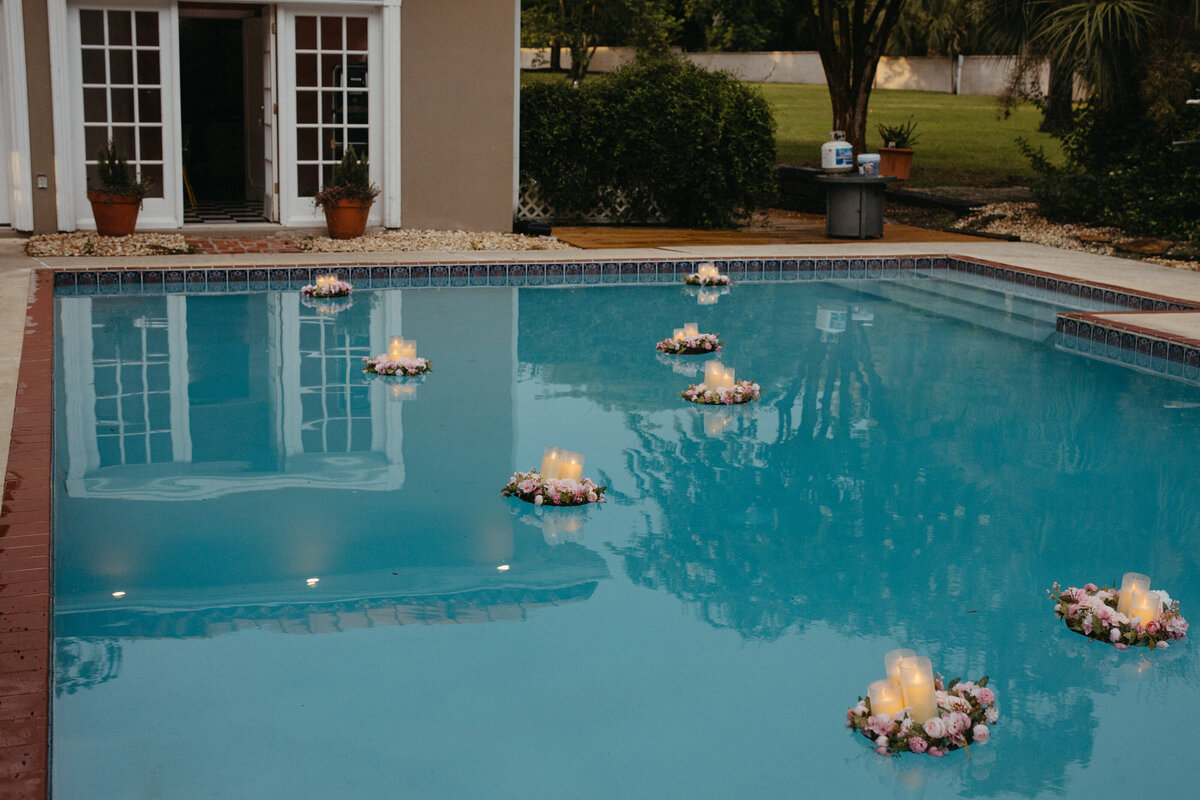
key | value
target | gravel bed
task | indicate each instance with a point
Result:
(448, 241)
(90, 243)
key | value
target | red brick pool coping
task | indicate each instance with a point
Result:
(25, 560)
(26, 578)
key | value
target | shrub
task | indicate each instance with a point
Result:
(1123, 171)
(698, 145)
(351, 181)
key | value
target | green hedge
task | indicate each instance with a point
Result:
(699, 145)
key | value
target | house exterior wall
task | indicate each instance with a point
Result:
(446, 124)
(458, 98)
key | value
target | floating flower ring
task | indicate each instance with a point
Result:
(385, 365)
(696, 279)
(533, 488)
(740, 392)
(322, 305)
(695, 345)
(335, 289)
(1092, 612)
(965, 712)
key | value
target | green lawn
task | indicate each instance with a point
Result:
(964, 140)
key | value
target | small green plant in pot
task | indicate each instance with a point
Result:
(347, 200)
(895, 155)
(117, 195)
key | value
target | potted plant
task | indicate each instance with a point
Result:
(117, 198)
(895, 156)
(347, 201)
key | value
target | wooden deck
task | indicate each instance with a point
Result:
(787, 228)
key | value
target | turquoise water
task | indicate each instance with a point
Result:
(912, 480)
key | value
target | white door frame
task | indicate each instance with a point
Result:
(295, 210)
(16, 193)
(157, 212)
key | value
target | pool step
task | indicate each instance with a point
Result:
(1010, 314)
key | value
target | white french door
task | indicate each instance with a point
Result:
(326, 101)
(123, 77)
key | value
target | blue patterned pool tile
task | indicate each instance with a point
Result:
(478, 270)
(591, 268)
(891, 266)
(236, 277)
(940, 263)
(908, 264)
(572, 268)
(858, 268)
(457, 271)
(610, 268)
(771, 275)
(64, 280)
(1113, 340)
(1175, 352)
(735, 269)
(517, 270)
(497, 270)
(591, 280)
(360, 275)
(1191, 356)
(628, 268)
(806, 265)
(279, 277)
(131, 280)
(400, 272)
(437, 278)
(473, 280)
(108, 278)
(217, 280)
(754, 265)
(536, 280)
(1128, 347)
(536, 269)
(789, 265)
(515, 280)
(648, 268)
(1159, 305)
(436, 272)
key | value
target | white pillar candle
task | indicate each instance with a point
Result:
(707, 270)
(1131, 582)
(1145, 605)
(885, 698)
(326, 280)
(572, 466)
(690, 329)
(551, 465)
(678, 334)
(916, 680)
(891, 661)
(714, 373)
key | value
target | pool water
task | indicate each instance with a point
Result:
(324, 593)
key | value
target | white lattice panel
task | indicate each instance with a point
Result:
(531, 206)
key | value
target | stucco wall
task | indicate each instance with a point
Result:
(457, 98)
(987, 75)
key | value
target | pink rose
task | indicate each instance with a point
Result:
(981, 733)
(935, 752)
(917, 744)
(883, 751)
(985, 696)
(934, 727)
(1162, 645)
(1152, 627)
(1091, 588)
(1121, 646)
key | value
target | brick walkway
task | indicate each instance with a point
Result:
(235, 245)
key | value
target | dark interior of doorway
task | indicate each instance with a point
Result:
(214, 128)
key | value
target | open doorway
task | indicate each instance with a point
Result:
(221, 106)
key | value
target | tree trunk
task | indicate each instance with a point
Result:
(850, 38)
(555, 55)
(1057, 115)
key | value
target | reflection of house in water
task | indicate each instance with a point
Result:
(132, 390)
(211, 485)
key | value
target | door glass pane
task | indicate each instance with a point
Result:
(331, 54)
(122, 104)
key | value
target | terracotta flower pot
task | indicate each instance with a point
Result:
(348, 219)
(115, 214)
(895, 161)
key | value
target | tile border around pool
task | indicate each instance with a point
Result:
(584, 272)
(1125, 343)
(25, 559)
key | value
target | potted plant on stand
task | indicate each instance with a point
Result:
(117, 198)
(347, 201)
(895, 156)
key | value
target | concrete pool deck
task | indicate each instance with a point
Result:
(25, 614)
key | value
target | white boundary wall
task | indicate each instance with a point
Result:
(986, 75)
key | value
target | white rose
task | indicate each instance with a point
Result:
(934, 727)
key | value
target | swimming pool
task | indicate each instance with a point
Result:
(909, 479)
